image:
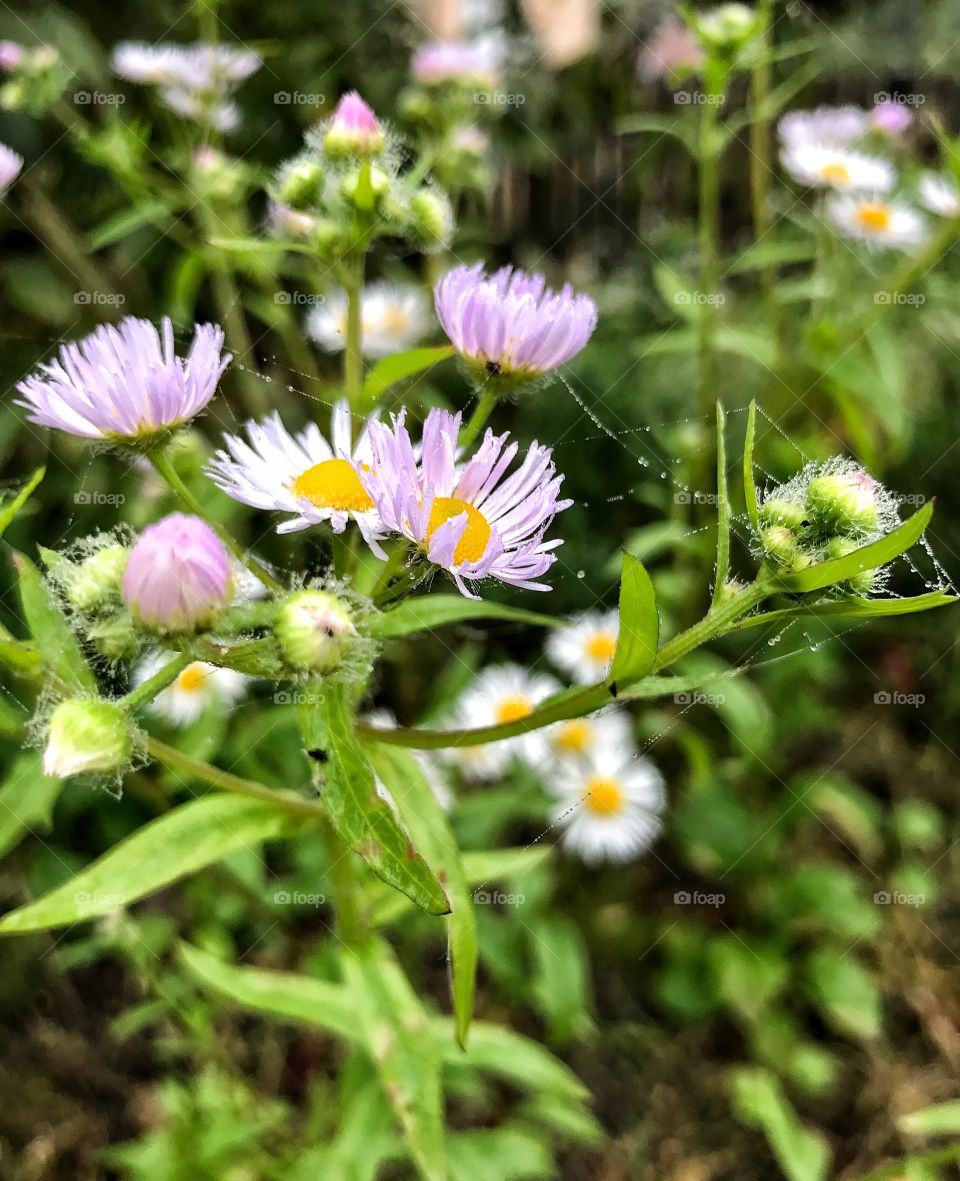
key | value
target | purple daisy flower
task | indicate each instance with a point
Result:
(472, 519)
(511, 324)
(125, 381)
(10, 165)
(178, 574)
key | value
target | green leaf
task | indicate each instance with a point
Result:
(171, 847)
(9, 511)
(852, 608)
(560, 976)
(427, 824)
(430, 611)
(771, 254)
(147, 211)
(395, 1030)
(27, 798)
(52, 633)
(489, 865)
(681, 129)
(723, 510)
(759, 1100)
(509, 1154)
(942, 1119)
(362, 819)
(846, 992)
(390, 370)
(867, 557)
(639, 625)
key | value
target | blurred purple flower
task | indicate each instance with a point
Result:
(672, 50)
(511, 323)
(454, 61)
(177, 575)
(125, 381)
(894, 118)
(11, 54)
(472, 520)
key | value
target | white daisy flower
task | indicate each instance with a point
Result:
(199, 687)
(871, 219)
(383, 719)
(302, 474)
(825, 125)
(584, 649)
(585, 738)
(940, 195)
(825, 165)
(501, 693)
(393, 319)
(610, 808)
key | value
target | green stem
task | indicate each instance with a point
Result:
(478, 419)
(708, 239)
(760, 170)
(164, 467)
(155, 684)
(175, 760)
(942, 1156)
(353, 350)
(589, 698)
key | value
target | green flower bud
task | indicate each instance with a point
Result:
(783, 512)
(431, 216)
(843, 503)
(114, 638)
(301, 183)
(727, 25)
(314, 630)
(363, 187)
(87, 736)
(780, 544)
(860, 584)
(96, 581)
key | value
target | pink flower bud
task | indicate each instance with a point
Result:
(354, 129)
(178, 575)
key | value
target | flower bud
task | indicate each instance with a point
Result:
(780, 544)
(783, 512)
(859, 584)
(87, 736)
(727, 25)
(314, 630)
(843, 503)
(354, 129)
(114, 638)
(285, 220)
(432, 217)
(301, 183)
(97, 580)
(177, 576)
(365, 186)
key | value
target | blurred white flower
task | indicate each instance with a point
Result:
(585, 648)
(940, 195)
(879, 223)
(393, 319)
(585, 738)
(825, 125)
(198, 687)
(825, 165)
(610, 807)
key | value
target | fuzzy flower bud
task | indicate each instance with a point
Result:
(87, 737)
(354, 129)
(178, 575)
(780, 544)
(843, 503)
(97, 580)
(314, 630)
(301, 183)
(432, 218)
(787, 513)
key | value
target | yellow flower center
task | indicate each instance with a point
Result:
(473, 544)
(601, 646)
(873, 216)
(333, 484)
(192, 678)
(835, 174)
(573, 737)
(512, 708)
(604, 797)
(396, 321)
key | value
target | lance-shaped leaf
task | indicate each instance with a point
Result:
(27, 798)
(867, 557)
(723, 509)
(749, 487)
(395, 1029)
(52, 633)
(427, 824)
(349, 793)
(639, 626)
(9, 511)
(429, 611)
(390, 370)
(852, 608)
(171, 847)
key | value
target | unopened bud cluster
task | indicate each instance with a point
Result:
(32, 78)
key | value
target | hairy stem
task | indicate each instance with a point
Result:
(156, 684)
(478, 419)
